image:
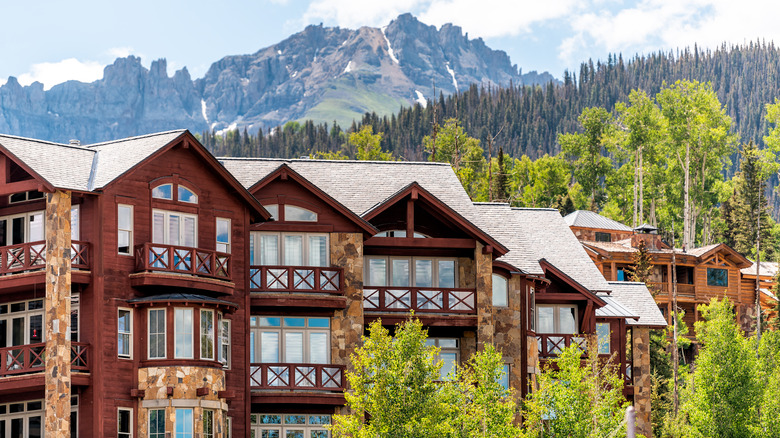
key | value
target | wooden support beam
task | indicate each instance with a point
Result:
(410, 217)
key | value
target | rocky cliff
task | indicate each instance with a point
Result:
(321, 73)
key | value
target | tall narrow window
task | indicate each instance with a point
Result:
(184, 423)
(125, 333)
(157, 423)
(207, 334)
(156, 333)
(183, 333)
(125, 229)
(603, 334)
(208, 423)
(500, 290)
(224, 343)
(504, 379)
(223, 235)
(124, 423)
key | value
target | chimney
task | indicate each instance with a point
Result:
(74, 142)
(648, 234)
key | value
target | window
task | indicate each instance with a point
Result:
(399, 233)
(125, 229)
(21, 228)
(603, 237)
(717, 277)
(186, 195)
(223, 235)
(21, 323)
(289, 249)
(532, 308)
(228, 426)
(559, 318)
(273, 209)
(124, 423)
(289, 425)
(604, 337)
(157, 342)
(208, 423)
(504, 379)
(124, 344)
(411, 271)
(164, 191)
(298, 214)
(74, 222)
(448, 354)
(174, 228)
(500, 290)
(183, 333)
(157, 423)
(25, 196)
(621, 274)
(22, 419)
(207, 334)
(224, 343)
(289, 340)
(183, 423)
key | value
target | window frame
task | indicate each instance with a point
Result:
(412, 270)
(164, 333)
(256, 250)
(601, 236)
(608, 338)
(129, 333)
(556, 318)
(208, 433)
(192, 192)
(304, 209)
(203, 336)
(25, 415)
(157, 434)
(191, 333)
(26, 315)
(726, 276)
(256, 427)
(177, 422)
(128, 231)
(224, 359)
(166, 227)
(436, 342)
(257, 330)
(27, 197)
(505, 290)
(228, 244)
(129, 433)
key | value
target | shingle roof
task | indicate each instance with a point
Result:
(635, 297)
(85, 168)
(361, 185)
(589, 219)
(768, 269)
(532, 234)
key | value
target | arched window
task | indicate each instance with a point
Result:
(273, 209)
(298, 214)
(187, 195)
(163, 191)
(500, 290)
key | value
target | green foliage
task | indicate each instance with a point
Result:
(394, 382)
(540, 183)
(586, 150)
(573, 400)
(367, 145)
(453, 145)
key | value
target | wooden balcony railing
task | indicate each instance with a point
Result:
(182, 260)
(296, 279)
(420, 299)
(30, 358)
(552, 345)
(315, 377)
(31, 256)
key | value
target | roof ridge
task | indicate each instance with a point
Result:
(122, 140)
(314, 160)
(51, 143)
(535, 208)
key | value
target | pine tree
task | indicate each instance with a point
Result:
(501, 190)
(749, 186)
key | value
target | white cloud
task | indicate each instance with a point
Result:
(53, 73)
(356, 13)
(120, 52)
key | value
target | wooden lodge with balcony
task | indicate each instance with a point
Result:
(182, 294)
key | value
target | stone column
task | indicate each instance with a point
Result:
(346, 251)
(57, 308)
(642, 380)
(483, 267)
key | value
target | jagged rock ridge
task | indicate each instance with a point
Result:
(320, 73)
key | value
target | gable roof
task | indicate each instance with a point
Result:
(637, 298)
(533, 234)
(52, 164)
(732, 254)
(589, 219)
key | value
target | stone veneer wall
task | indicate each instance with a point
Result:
(57, 308)
(483, 275)
(507, 323)
(346, 251)
(642, 381)
(185, 380)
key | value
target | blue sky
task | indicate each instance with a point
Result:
(53, 41)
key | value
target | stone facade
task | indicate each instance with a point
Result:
(483, 275)
(57, 308)
(642, 381)
(346, 251)
(507, 323)
(185, 381)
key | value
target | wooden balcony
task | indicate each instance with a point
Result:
(297, 377)
(309, 279)
(683, 290)
(24, 265)
(551, 345)
(181, 266)
(30, 358)
(420, 300)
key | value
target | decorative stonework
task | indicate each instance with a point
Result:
(507, 322)
(483, 269)
(185, 381)
(57, 308)
(346, 251)
(642, 381)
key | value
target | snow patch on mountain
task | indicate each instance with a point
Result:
(348, 68)
(452, 73)
(389, 48)
(421, 99)
(203, 110)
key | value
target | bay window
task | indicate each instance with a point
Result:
(411, 271)
(289, 249)
(157, 423)
(157, 340)
(276, 339)
(184, 423)
(207, 334)
(224, 342)
(183, 333)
